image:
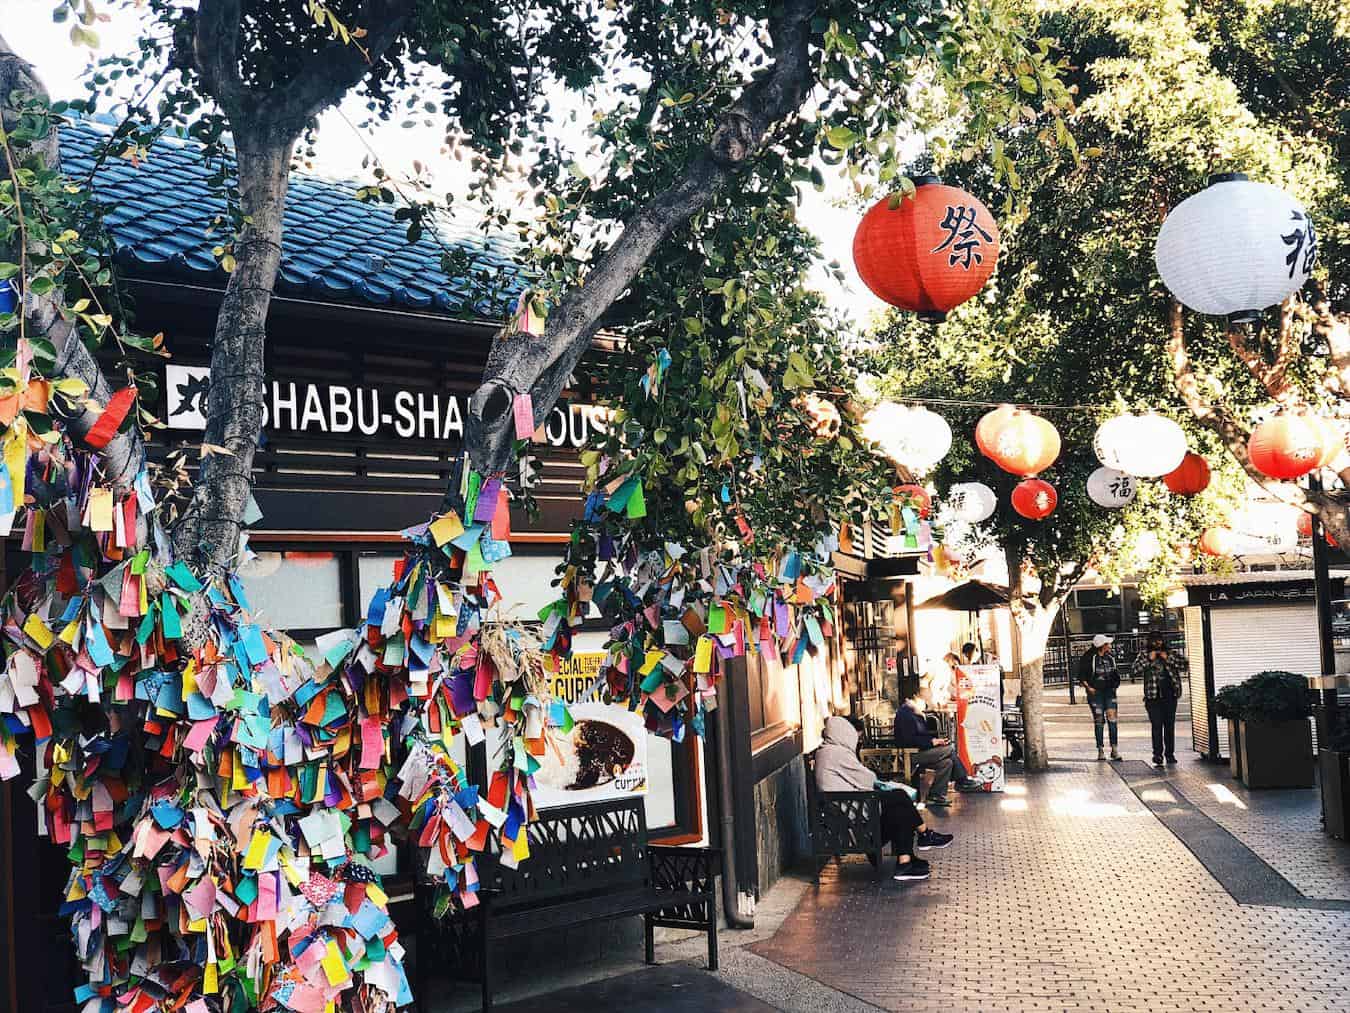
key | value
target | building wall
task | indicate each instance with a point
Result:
(780, 821)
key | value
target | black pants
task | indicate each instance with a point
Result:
(1162, 714)
(899, 821)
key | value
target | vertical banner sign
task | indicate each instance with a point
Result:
(601, 753)
(979, 724)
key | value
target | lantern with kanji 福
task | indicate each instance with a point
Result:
(1034, 499)
(1111, 489)
(927, 253)
(1287, 447)
(1235, 248)
(1018, 441)
(971, 502)
(1190, 477)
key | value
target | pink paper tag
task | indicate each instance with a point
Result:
(372, 743)
(524, 407)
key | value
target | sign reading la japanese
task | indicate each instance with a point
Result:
(361, 411)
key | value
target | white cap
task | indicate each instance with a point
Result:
(1100, 640)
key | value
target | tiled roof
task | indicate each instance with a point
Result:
(334, 247)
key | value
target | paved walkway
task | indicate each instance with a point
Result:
(1096, 886)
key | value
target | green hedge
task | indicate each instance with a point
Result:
(1266, 696)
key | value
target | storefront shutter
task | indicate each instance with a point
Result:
(1193, 627)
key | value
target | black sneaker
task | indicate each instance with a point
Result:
(932, 840)
(939, 800)
(1157, 762)
(913, 871)
(1172, 760)
(969, 785)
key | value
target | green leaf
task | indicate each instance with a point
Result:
(41, 285)
(8, 270)
(841, 137)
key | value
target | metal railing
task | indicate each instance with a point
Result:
(1062, 654)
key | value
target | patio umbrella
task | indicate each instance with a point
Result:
(972, 596)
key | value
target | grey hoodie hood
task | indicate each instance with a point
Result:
(838, 732)
(837, 765)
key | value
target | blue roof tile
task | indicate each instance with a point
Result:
(333, 246)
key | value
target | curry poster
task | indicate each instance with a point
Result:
(601, 754)
(979, 724)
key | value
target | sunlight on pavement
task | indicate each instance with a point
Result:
(1225, 795)
(1157, 795)
(1079, 802)
(1013, 805)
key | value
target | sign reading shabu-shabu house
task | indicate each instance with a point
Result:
(360, 411)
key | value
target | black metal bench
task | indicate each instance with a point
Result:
(587, 863)
(842, 822)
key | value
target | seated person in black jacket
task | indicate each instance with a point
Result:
(936, 754)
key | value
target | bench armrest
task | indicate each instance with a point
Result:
(684, 870)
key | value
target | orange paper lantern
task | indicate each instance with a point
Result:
(1018, 441)
(1287, 446)
(1034, 499)
(928, 253)
(1305, 526)
(915, 496)
(1190, 478)
(1217, 542)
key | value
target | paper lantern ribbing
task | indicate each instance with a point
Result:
(1034, 499)
(928, 253)
(1111, 489)
(1018, 441)
(912, 437)
(1190, 477)
(1217, 542)
(1286, 447)
(1235, 248)
(972, 502)
(1145, 446)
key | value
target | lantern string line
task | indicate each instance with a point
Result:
(961, 402)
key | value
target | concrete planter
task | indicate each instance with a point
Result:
(1235, 748)
(1335, 777)
(1277, 754)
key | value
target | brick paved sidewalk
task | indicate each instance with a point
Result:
(1067, 893)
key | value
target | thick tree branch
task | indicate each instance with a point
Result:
(125, 454)
(329, 74)
(518, 363)
(216, 54)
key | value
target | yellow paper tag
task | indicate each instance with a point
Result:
(377, 896)
(650, 662)
(16, 459)
(71, 632)
(37, 629)
(445, 527)
(521, 847)
(703, 656)
(100, 510)
(333, 967)
(257, 850)
(211, 981)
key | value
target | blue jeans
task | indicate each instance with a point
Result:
(1104, 711)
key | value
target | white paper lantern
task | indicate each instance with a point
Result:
(914, 438)
(1265, 529)
(1145, 446)
(1110, 488)
(971, 502)
(1147, 547)
(1235, 248)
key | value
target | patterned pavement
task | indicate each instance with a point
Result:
(1067, 893)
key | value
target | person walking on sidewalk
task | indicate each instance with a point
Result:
(1161, 671)
(1098, 676)
(839, 769)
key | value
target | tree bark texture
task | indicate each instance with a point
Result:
(1033, 616)
(209, 531)
(124, 456)
(519, 363)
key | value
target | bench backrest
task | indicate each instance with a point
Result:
(577, 850)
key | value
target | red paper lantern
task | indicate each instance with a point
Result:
(1034, 499)
(1018, 441)
(1217, 542)
(915, 496)
(1287, 446)
(930, 252)
(1305, 525)
(1190, 477)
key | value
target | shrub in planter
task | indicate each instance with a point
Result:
(1228, 705)
(1276, 738)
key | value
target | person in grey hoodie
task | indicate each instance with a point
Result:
(839, 769)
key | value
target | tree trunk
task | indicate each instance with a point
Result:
(209, 532)
(124, 455)
(1031, 623)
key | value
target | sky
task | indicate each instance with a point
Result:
(341, 147)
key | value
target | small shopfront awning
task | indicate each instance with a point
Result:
(972, 596)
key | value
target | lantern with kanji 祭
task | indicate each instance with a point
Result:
(1018, 441)
(1287, 447)
(927, 253)
(1035, 499)
(1190, 477)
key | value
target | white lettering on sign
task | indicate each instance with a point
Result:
(315, 408)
